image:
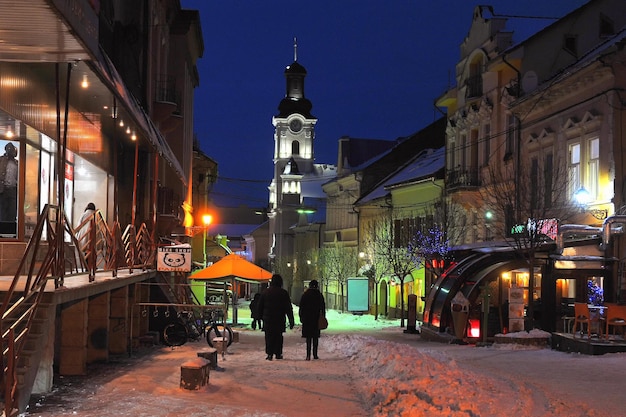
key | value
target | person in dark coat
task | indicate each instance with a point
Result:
(255, 313)
(274, 305)
(312, 305)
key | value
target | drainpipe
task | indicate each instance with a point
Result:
(518, 134)
(574, 229)
(607, 229)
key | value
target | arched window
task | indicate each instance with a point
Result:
(475, 78)
(295, 147)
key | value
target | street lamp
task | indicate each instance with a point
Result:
(583, 198)
(206, 221)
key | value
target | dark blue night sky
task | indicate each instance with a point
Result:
(375, 68)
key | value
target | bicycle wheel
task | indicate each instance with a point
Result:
(175, 334)
(219, 330)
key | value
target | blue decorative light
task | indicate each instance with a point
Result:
(595, 294)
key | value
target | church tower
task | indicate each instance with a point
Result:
(294, 133)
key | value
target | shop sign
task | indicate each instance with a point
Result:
(176, 258)
(541, 227)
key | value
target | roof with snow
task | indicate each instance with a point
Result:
(426, 164)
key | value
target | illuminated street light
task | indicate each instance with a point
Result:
(583, 198)
(206, 221)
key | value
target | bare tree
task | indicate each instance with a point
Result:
(376, 266)
(338, 263)
(391, 243)
(525, 200)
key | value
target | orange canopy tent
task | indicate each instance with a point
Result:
(235, 268)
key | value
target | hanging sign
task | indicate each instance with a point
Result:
(176, 258)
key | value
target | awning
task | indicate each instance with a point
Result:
(34, 32)
(235, 267)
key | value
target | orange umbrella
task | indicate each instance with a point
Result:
(233, 266)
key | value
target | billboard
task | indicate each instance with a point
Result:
(358, 294)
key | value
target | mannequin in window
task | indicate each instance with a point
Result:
(8, 184)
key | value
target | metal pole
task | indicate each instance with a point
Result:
(485, 326)
(135, 173)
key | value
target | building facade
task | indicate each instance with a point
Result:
(528, 131)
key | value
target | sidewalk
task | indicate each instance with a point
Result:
(244, 384)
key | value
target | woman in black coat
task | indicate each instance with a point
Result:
(311, 306)
(274, 306)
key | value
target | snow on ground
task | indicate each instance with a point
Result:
(367, 368)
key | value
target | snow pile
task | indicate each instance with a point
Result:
(402, 381)
(533, 334)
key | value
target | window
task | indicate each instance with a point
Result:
(510, 135)
(475, 79)
(534, 183)
(593, 167)
(607, 28)
(548, 167)
(486, 144)
(570, 44)
(473, 149)
(10, 183)
(405, 230)
(295, 147)
(509, 219)
(573, 168)
(463, 151)
(584, 167)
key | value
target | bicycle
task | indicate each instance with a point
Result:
(215, 327)
(186, 327)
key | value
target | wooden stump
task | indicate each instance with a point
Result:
(220, 345)
(209, 354)
(235, 336)
(194, 374)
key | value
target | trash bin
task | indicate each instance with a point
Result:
(460, 313)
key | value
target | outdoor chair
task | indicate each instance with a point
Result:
(616, 317)
(583, 316)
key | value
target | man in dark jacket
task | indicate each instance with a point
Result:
(255, 314)
(274, 305)
(312, 306)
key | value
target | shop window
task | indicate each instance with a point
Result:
(9, 186)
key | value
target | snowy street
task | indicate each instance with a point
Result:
(374, 369)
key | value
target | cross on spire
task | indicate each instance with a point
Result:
(295, 49)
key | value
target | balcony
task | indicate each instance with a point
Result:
(463, 178)
(167, 99)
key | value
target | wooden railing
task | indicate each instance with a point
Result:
(50, 256)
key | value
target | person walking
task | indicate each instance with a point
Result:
(85, 221)
(274, 305)
(254, 312)
(312, 305)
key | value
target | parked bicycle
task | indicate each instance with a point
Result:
(216, 327)
(187, 327)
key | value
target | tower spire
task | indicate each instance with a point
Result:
(295, 49)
